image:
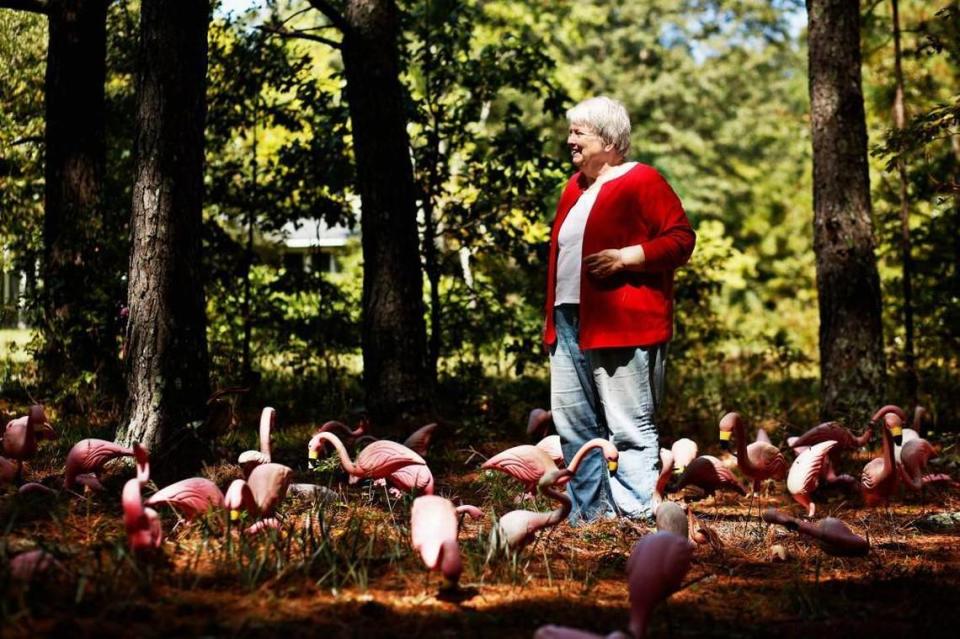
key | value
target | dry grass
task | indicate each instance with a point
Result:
(344, 568)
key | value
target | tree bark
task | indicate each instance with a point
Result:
(393, 328)
(900, 122)
(852, 365)
(167, 367)
(78, 316)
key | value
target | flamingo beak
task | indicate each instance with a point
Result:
(678, 470)
(897, 432)
(612, 465)
(725, 439)
(313, 454)
(234, 515)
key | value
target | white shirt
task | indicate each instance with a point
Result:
(570, 238)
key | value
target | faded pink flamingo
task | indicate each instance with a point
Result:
(539, 424)
(31, 564)
(376, 461)
(762, 436)
(239, 498)
(189, 497)
(143, 525)
(655, 570)
(250, 459)
(269, 483)
(832, 535)
(89, 456)
(671, 518)
(419, 440)
(551, 446)
(878, 480)
(529, 464)
(20, 436)
(914, 456)
(804, 475)
(434, 525)
(684, 451)
(759, 460)
(843, 436)
(710, 475)
(518, 528)
(341, 431)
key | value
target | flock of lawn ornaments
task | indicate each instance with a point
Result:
(657, 564)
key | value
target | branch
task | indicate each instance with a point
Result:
(33, 6)
(32, 139)
(297, 35)
(334, 16)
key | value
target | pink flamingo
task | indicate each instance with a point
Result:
(433, 533)
(419, 440)
(762, 436)
(759, 460)
(878, 480)
(518, 528)
(666, 471)
(340, 430)
(269, 483)
(20, 436)
(710, 475)
(412, 478)
(540, 423)
(250, 459)
(189, 497)
(143, 525)
(684, 451)
(33, 563)
(655, 570)
(671, 518)
(529, 464)
(832, 535)
(804, 476)
(914, 456)
(89, 456)
(551, 446)
(844, 438)
(376, 461)
(239, 498)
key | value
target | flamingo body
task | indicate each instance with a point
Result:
(832, 535)
(419, 440)
(433, 534)
(710, 475)
(189, 497)
(268, 483)
(655, 570)
(142, 524)
(759, 460)
(518, 528)
(804, 476)
(89, 456)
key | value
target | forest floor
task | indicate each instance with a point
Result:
(344, 568)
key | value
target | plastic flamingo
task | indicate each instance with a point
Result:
(551, 446)
(340, 430)
(239, 498)
(684, 451)
(412, 478)
(189, 497)
(655, 570)
(268, 483)
(845, 439)
(250, 459)
(529, 464)
(671, 518)
(89, 456)
(804, 475)
(759, 460)
(879, 477)
(419, 440)
(518, 528)
(20, 436)
(376, 461)
(433, 533)
(914, 456)
(710, 475)
(762, 436)
(31, 564)
(143, 525)
(832, 535)
(666, 471)
(540, 423)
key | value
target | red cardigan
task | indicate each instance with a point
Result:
(630, 308)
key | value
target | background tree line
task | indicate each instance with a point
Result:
(443, 123)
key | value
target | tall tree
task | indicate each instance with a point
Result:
(852, 369)
(393, 329)
(167, 368)
(77, 314)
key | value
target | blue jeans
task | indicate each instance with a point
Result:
(611, 393)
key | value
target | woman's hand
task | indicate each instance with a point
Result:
(605, 263)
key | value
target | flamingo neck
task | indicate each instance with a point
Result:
(562, 511)
(889, 461)
(267, 420)
(586, 448)
(345, 460)
(743, 459)
(864, 437)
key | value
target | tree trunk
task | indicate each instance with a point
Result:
(851, 336)
(78, 317)
(167, 375)
(393, 327)
(900, 122)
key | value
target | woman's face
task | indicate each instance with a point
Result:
(586, 147)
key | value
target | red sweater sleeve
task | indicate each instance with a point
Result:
(673, 244)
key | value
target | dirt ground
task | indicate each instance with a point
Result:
(343, 568)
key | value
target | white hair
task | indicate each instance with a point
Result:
(607, 117)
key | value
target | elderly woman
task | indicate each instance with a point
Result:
(619, 233)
